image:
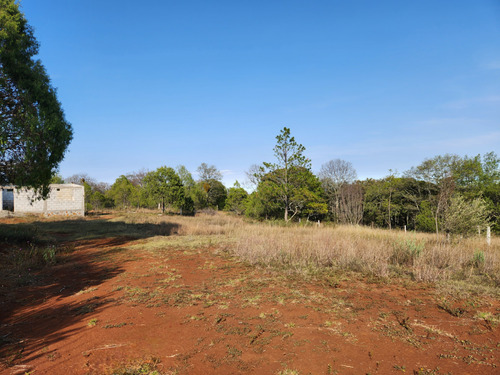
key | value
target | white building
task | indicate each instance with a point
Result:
(63, 199)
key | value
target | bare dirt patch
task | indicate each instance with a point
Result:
(111, 304)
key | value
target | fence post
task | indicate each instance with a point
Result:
(319, 223)
(405, 228)
(488, 236)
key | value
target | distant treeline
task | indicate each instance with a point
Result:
(448, 193)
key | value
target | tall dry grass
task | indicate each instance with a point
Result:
(373, 251)
(380, 252)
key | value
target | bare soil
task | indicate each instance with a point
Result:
(108, 306)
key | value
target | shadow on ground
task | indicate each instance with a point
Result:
(32, 314)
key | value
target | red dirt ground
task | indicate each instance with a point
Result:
(201, 312)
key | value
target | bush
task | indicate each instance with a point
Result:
(464, 217)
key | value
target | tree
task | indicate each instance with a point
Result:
(464, 217)
(211, 193)
(186, 179)
(165, 186)
(439, 173)
(334, 175)
(350, 204)
(57, 179)
(34, 133)
(305, 200)
(123, 192)
(208, 172)
(284, 176)
(236, 199)
(137, 178)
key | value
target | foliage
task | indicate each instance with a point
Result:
(465, 216)
(165, 186)
(236, 199)
(209, 191)
(34, 134)
(56, 179)
(187, 180)
(211, 194)
(123, 192)
(425, 219)
(283, 180)
(305, 196)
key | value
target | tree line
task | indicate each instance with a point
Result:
(447, 193)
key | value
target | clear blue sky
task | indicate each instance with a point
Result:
(382, 84)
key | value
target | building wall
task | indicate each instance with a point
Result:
(63, 199)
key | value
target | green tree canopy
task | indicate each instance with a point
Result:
(123, 192)
(236, 199)
(285, 176)
(34, 134)
(165, 186)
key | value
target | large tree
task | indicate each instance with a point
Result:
(334, 175)
(285, 177)
(165, 186)
(123, 192)
(34, 133)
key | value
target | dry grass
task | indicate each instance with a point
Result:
(307, 247)
(373, 251)
(379, 252)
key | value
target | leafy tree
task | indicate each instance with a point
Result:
(34, 133)
(56, 179)
(215, 193)
(439, 174)
(285, 177)
(304, 200)
(123, 192)
(394, 201)
(187, 180)
(209, 190)
(424, 220)
(165, 186)
(99, 200)
(236, 199)
(464, 217)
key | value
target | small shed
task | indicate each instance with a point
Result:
(63, 199)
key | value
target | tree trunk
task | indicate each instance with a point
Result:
(390, 226)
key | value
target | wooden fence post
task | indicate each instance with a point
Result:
(488, 236)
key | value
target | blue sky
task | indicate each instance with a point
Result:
(382, 84)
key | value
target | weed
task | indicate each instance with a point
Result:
(92, 322)
(119, 325)
(139, 367)
(406, 252)
(491, 320)
(233, 351)
(478, 258)
(445, 305)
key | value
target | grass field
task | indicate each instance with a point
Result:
(142, 293)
